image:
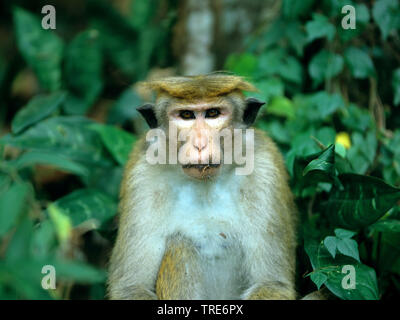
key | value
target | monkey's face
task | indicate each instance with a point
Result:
(199, 144)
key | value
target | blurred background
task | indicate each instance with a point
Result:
(68, 122)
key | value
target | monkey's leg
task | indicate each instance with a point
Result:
(179, 277)
(273, 290)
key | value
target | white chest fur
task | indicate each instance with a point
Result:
(209, 214)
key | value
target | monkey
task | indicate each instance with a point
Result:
(195, 228)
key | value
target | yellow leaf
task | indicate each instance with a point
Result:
(343, 138)
(61, 222)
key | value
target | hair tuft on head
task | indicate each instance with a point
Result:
(201, 86)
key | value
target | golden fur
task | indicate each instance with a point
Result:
(161, 256)
(199, 87)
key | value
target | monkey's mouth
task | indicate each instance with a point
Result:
(201, 166)
(201, 171)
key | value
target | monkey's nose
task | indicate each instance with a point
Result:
(199, 144)
(199, 147)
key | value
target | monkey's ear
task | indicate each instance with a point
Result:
(147, 111)
(250, 112)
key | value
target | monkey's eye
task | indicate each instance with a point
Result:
(186, 114)
(212, 113)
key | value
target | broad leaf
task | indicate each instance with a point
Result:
(12, 203)
(117, 141)
(361, 201)
(37, 109)
(319, 278)
(359, 62)
(331, 245)
(325, 65)
(319, 27)
(88, 206)
(59, 161)
(388, 225)
(386, 14)
(41, 49)
(83, 71)
(366, 287)
(67, 136)
(244, 64)
(396, 86)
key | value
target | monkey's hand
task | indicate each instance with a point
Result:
(273, 290)
(178, 277)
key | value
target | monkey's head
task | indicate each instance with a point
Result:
(194, 112)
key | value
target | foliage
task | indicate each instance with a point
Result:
(60, 169)
(332, 107)
(325, 90)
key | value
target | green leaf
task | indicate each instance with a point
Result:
(87, 206)
(348, 247)
(59, 161)
(23, 279)
(62, 223)
(386, 14)
(281, 106)
(356, 118)
(362, 152)
(366, 287)
(275, 129)
(278, 62)
(294, 9)
(361, 201)
(242, 64)
(319, 278)
(331, 244)
(12, 203)
(105, 179)
(326, 135)
(67, 136)
(44, 239)
(359, 62)
(83, 71)
(41, 48)
(324, 163)
(310, 171)
(325, 65)
(396, 86)
(124, 109)
(37, 109)
(325, 104)
(19, 247)
(78, 271)
(344, 234)
(388, 225)
(117, 141)
(319, 27)
(296, 35)
(269, 88)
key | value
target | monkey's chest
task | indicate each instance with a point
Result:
(212, 220)
(213, 225)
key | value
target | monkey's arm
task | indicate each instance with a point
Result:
(133, 270)
(179, 277)
(270, 271)
(271, 290)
